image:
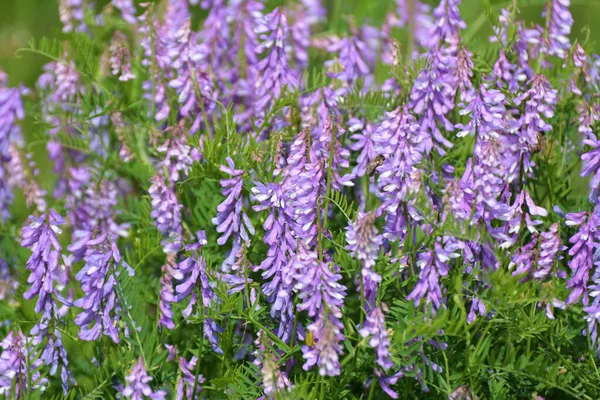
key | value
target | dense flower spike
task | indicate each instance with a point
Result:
(375, 328)
(120, 57)
(433, 265)
(364, 243)
(231, 218)
(71, 15)
(583, 246)
(127, 9)
(559, 27)
(448, 22)
(166, 212)
(99, 277)
(350, 61)
(188, 379)
(138, 384)
(19, 367)
(274, 380)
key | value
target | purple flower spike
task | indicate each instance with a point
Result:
(18, 362)
(375, 327)
(326, 350)
(362, 134)
(591, 164)
(99, 278)
(275, 381)
(167, 292)
(559, 27)
(584, 244)
(231, 218)
(166, 212)
(187, 381)
(364, 243)
(120, 57)
(40, 236)
(127, 10)
(137, 384)
(433, 265)
(11, 112)
(71, 15)
(448, 22)
(350, 60)
(273, 71)
(487, 113)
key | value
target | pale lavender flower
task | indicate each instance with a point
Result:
(166, 212)
(589, 114)
(6, 195)
(127, 9)
(414, 15)
(11, 112)
(188, 379)
(231, 218)
(463, 393)
(364, 243)
(138, 386)
(99, 277)
(315, 11)
(433, 265)
(559, 27)
(584, 244)
(544, 249)
(300, 38)
(448, 22)
(71, 15)
(120, 57)
(319, 287)
(375, 328)
(274, 380)
(507, 73)
(581, 61)
(18, 360)
(518, 217)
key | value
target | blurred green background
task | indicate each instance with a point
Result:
(21, 20)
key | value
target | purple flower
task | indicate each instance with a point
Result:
(300, 38)
(178, 157)
(540, 102)
(507, 73)
(40, 236)
(319, 288)
(448, 22)
(99, 277)
(166, 212)
(591, 165)
(559, 27)
(71, 15)
(274, 72)
(137, 384)
(364, 243)
(375, 327)
(188, 379)
(231, 217)
(432, 96)
(584, 244)
(464, 71)
(414, 15)
(518, 216)
(362, 134)
(486, 110)
(167, 292)
(327, 348)
(350, 64)
(433, 265)
(11, 112)
(589, 114)
(544, 248)
(329, 141)
(127, 9)
(19, 367)
(279, 229)
(274, 380)
(398, 140)
(120, 57)
(191, 275)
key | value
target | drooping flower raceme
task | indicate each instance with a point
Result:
(19, 367)
(189, 379)
(559, 27)
(364, 243)
(274, 380)
(375, 328)
(448, 22)
(100, 304)
(138, 386)
(166, 212)
(583, 245)
(433, 265)
(120, 57)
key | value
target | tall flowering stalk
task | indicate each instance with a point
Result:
(583, 246)
(274, 380)
(18, 360)
(138, 386)
(559, 26)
